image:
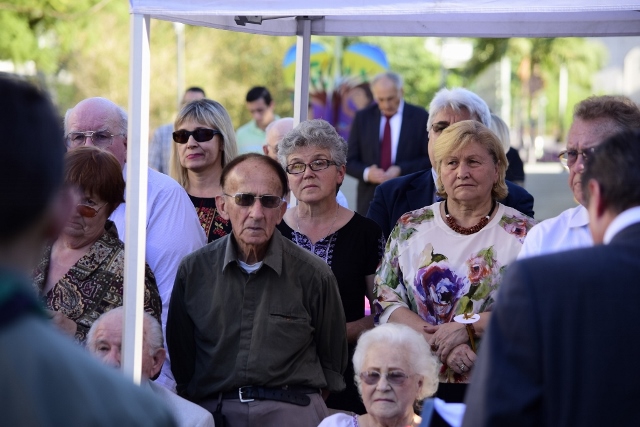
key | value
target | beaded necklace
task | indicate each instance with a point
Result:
(466, 231)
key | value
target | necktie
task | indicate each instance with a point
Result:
(385, 146)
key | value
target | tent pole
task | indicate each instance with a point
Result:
(136, 197)
(303, 54)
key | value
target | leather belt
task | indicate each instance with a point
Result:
(296, 395)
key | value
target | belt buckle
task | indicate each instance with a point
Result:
(240, 396)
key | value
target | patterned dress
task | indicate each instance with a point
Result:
(438, 273)
(213, 224)
(94, 285)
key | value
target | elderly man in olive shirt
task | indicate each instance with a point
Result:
(255, 322)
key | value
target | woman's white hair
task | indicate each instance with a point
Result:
(400, 339)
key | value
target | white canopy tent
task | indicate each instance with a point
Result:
(441, 18)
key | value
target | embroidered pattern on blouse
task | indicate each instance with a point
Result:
(322, 248)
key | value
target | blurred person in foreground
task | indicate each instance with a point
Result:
(515, 170)
(394, 369)
(400, 195)
(81, 274)
(594, 119)
(204, 142)
(104, 341)
(45, 379)
(448, 258)
(275, 132)
(256, 328)
(543, 362)
(314, 156)
(162, 141)
(173, 229)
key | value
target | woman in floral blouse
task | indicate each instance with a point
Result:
(204, 143)
(448, 258)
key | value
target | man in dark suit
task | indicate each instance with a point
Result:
(561, 345)
(387, 139)
(395, 197)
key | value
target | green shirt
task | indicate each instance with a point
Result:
(282, 325)
(250, 138)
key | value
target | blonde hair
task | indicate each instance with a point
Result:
(500, 128)
(209, 113)
(461, 134)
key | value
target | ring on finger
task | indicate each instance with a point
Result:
(463, 366)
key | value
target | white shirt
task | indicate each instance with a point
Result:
(622, 221)
(173, 231)
(396, 124)
(569, 230)
(186, 414)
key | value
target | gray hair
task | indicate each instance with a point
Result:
(152, 331)
(313, 133)
(395, 78)
(210, 113)
(457, 99)
(500, 128)
(400, 339)
(118, 114)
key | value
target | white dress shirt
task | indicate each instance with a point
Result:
(173, 231)
(396, 126)
(622, 221)
(569, 230)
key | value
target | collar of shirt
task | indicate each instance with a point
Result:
(622, 221)
(272, 258)
(579, 217)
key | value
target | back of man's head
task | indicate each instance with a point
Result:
(615, 166)
(620, 110)
(31, 156)
(259, 92)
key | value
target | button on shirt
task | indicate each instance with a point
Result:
(569, 230)
(282, 325)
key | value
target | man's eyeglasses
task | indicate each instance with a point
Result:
(569, 157)
(247, 199)
(88, 211)
(393, 377)
(200, 135)
(98, 138)
(316, 165)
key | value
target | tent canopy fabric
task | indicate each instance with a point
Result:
(460, 18)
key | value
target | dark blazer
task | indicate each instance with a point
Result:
(562, 343)
(364, 147)
(407, 193)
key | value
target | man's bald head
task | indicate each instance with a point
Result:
(275, 132)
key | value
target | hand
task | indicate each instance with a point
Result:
(376, 175)
(63, 323)
(461, 359)
(446, 337)
(392, 172)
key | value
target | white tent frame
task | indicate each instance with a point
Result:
(463, 18)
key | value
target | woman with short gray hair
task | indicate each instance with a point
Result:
(314, 156)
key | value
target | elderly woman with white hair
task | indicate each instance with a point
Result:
(394, 369)
(314, 156)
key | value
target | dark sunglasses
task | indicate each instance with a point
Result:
(247, 199)
(88, 211)
(200, 135)
(393, 377)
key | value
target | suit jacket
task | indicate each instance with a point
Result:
(407, 193)
(364, 147)
(562, 345)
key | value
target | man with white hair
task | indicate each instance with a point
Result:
(394, 198)
(104, 341)
(173, 228)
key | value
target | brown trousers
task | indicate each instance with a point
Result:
(269, 413)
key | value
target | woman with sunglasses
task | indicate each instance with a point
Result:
(314, 156)
(394, 369)
(80, 275)
(204, 143)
